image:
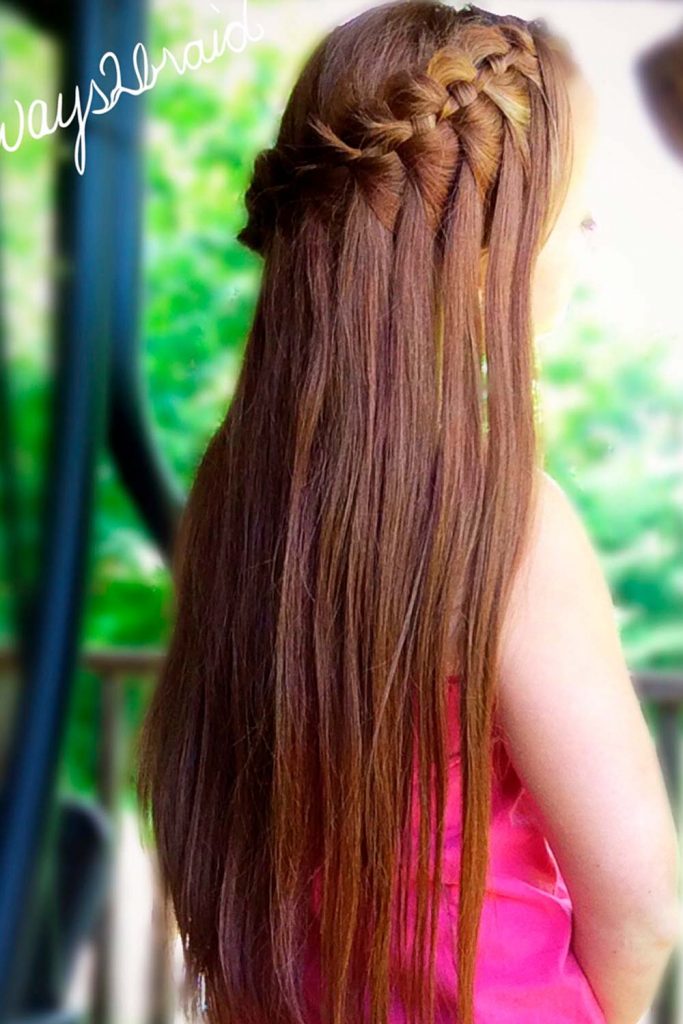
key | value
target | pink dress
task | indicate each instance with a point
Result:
(526, 971)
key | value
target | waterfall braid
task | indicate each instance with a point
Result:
(355, 522)
(471, 93)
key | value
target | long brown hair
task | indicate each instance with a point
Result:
(355, 522)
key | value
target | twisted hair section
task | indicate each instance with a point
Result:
(419, 131)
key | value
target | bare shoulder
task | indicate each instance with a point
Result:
(573, 721)
(560, 587)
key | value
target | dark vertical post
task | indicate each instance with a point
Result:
(53, 623)
(142, 470)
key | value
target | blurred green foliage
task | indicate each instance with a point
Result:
(613, 408)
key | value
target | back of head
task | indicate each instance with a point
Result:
(355, 523)
(408, 92)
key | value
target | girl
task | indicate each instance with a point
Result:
(395, 765)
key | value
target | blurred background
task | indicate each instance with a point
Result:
(124, 306)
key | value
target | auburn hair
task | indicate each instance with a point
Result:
(355, 522)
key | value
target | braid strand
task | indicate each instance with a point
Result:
(472, 91)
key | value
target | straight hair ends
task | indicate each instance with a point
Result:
(355, 522)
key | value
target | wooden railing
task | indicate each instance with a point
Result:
(115, 670)
(660, 693)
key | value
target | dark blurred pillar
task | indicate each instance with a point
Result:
(28, 822)
(98, 389)
(136, 454)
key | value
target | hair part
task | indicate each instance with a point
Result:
(355, 522)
